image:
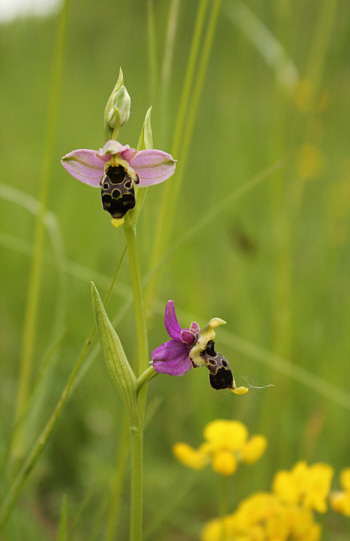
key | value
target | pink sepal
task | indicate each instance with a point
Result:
(153, 166)
(85, 166)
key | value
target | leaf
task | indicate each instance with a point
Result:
(146, 137)
(113, 352)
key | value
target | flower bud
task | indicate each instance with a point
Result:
(122, 102)
(117, 110)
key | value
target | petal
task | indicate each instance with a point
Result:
(84, 165)
(187, 337)
(190, 457)
(128, 154)
(194, 327)
(170, 350)
(153, 166)
(253, 449)
(224, 462)
(112, 147)
(345, 479)
(171, 323)
(222, 434)
(318, 486)
(171, 358)
(340, 502)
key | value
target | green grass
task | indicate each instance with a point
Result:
(274, 262)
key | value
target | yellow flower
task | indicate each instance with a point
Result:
(263, 517)
(224, 462)
(302, 525)
(226, 444)
(257, 509)
(230, 435)
(225, 529)
(253, 449)
(189, 456)
(340, 501)
(318, 486)
(289, 485)
(306, 485)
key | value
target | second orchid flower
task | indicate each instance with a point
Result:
(190, 348)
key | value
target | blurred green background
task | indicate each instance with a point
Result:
(274, 263)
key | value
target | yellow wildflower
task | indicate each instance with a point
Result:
(318, 486)
(340, 501)
(253, 449)
(262, 517)
(226, 444)
(302, 525)
(189, 456)
(306, 485)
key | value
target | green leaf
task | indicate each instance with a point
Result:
(113, 352)
(146, 138)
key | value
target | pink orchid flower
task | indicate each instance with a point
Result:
(190, 348)
(116, 169)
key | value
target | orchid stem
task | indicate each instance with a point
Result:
(136, 425)
(147, 375)
(137, 292)
(136, 450)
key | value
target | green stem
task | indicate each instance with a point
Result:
(147, 375)
(152, 51)
(181, 116)
(116, 489)
(35, 277)
(223, 505)
(136, 450)
(166, 67)
(190, 119)
(183, 132)
(136, 425)
(136, 285)
(223, 496)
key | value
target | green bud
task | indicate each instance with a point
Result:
(117, 110)
(121, 101)
(113, 352)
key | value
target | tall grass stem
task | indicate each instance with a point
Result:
(40, 444)
(184, 130)
(35, 275)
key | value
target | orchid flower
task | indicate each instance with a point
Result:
(116, 169)
(193, 347)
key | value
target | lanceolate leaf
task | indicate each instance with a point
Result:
(113, 352)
